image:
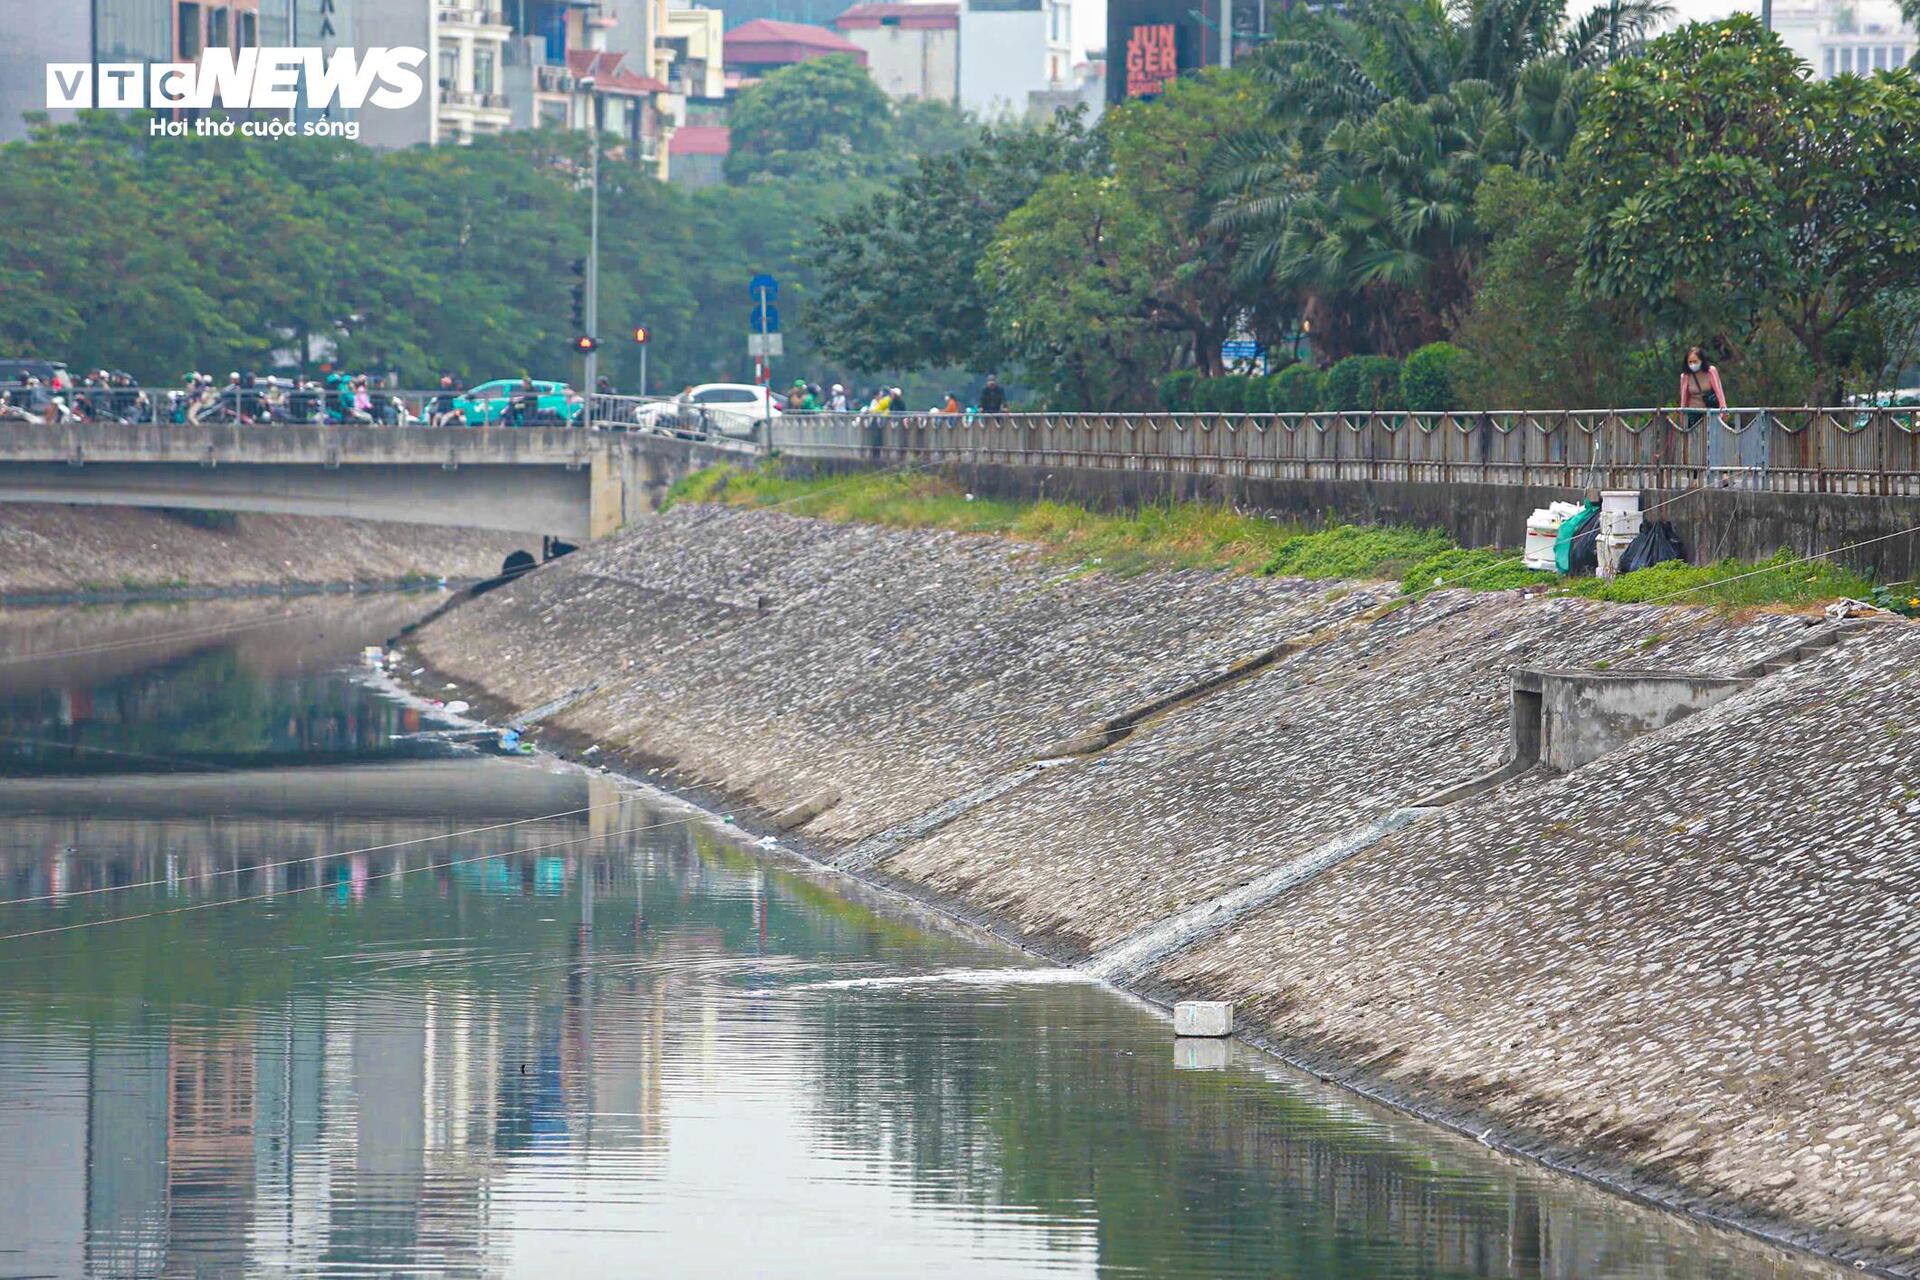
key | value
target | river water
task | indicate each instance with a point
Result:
(292, 983)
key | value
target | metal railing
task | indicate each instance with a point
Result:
(1789, 450)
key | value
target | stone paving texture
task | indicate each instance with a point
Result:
(1690, 965)
(1699, 954)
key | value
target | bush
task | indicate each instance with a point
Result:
(1227, 394)
(1295, 389)
(1176, 391)
(1362, 383)
(1429, 380)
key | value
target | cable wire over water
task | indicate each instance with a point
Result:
(395, 874)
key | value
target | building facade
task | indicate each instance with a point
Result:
(913, 49)
(763, 46)
(1835, 39)
(39, 32)
(1011, 50)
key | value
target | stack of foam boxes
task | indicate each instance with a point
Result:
(1619, 526)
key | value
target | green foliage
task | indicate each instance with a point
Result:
(905, 261)
(1177, 391)
(1064, 297)
(1296, 389)
(1355, 551)
(1721, 188)
(823, 120)
(210, 253)
(1361, 383)
(1353, 197)
(928, 127)
(1429, 379)
(1229, 394)
(1534, 340)
(1209, 536)
(1730, 583)
(1482, 569)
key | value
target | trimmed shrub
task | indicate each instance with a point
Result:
(1429, 380)
(1295, 389)
(1226, 394)
(1176, 390)
(1361, 383)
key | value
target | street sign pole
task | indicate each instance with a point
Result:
(766, 365)
(593, 267)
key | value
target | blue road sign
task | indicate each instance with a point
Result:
(1241, 349)
(763, 283)
(773, 320)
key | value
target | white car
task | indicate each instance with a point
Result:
(729, 408)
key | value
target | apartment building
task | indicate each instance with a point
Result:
(1833, 38)
(1010, 50)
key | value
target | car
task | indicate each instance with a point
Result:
(53, 374)
(492, 404)
(723, 408)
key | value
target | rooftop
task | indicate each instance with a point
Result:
(929, 16)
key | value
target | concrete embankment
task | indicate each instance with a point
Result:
(1686, 967)
(50, 550)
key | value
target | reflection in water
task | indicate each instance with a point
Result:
(349, 1034)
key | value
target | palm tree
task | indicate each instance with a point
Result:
(1355, 194)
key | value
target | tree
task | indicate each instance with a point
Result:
(1722, 189)
(822, 120)
(1353, 197)
(1534, 339)
(903, 263)
(930, 127)
(215, 254)
(1061, 293)
(1164, 154)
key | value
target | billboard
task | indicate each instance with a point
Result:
(1152, 42)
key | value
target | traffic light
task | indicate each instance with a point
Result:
(586, 346)
(641, 334)
(580, 293)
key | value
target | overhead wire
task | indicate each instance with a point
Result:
(315, 857)
(395, 874)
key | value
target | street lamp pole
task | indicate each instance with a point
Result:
(593, 250)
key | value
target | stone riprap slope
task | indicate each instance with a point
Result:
(790, 661)
(1700, 955)
(1690, 965)
(53, 549)
(1369, 717)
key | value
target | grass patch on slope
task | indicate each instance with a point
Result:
(1191, 535)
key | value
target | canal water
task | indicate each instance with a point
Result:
(292, 982)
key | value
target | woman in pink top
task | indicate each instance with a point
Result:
(1700, 386)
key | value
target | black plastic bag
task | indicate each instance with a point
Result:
(1654, 544)
(1583, 553)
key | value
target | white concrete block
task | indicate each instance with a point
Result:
(1203, 1018)
(1195, 1053)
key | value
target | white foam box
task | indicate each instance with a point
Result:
(1195, 1053)
(1210, 1018)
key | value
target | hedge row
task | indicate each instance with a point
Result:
(1426, 381)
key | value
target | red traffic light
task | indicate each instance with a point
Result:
(641, 334)
(586, 346)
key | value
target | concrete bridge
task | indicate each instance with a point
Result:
(544, 481)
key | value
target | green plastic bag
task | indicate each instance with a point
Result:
(1563, 541)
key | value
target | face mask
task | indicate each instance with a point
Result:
(1694, 365)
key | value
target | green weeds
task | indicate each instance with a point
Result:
(1192, 535)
